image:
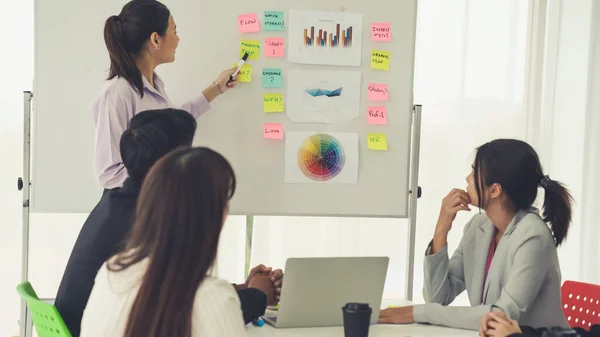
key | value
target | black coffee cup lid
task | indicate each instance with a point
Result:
(357, 307)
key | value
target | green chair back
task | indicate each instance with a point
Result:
(45, 317)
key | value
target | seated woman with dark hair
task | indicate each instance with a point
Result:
(160, 283)
(507, 259)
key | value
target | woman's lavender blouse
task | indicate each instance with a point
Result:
(112, 111)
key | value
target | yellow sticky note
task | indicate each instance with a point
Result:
(380, 59)
(252, 47)
(245, 73)
(377, 141)
(273, 102)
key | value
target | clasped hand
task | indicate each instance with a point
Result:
(268, 281)
(497, 324)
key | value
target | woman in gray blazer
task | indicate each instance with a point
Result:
(506, 259)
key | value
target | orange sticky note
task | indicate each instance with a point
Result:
(248, 23)
(273, 131)
(378, 92)
(274, 47)
(377, 115)
(380, 31)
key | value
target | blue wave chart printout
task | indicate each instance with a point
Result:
(320, 96)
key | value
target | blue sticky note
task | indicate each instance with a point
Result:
(273, 20)
(271, 78)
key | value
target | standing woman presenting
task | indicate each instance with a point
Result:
(140, 38)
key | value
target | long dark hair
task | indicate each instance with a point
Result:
(180, 213)
(127, 33)
(515, 165)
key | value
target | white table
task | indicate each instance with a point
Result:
(411, 330)
(406, 330)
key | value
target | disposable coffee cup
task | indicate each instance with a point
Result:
(357, 319)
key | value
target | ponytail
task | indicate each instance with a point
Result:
(557, 208)
(122, 61)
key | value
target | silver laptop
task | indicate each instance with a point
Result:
(314, 290)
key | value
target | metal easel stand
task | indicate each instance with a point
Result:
(414, 194)
(24, 184)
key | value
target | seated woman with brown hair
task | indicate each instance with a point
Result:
(159, 285)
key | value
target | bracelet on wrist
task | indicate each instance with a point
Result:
(219, 87)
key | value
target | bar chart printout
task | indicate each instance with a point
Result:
(336, 38)
(329, 38)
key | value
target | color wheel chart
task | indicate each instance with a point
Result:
(321, 157)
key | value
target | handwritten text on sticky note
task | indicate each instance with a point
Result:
(377, 141)
(273, 131)
(380, 31)
(273, 20)
(273, 102)
(248, 23)
(271, 78)
(252, 47)
(245, 73)
(377, 115)
(274, 47)
(380, 59)
(378, 92)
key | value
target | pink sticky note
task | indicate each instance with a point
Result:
(377, 115)
(380, 31)
(274, 47)
(273, 131)
(378, 92)
(248, 23)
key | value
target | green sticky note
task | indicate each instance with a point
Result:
(273, 102)
(252, 47)
(377, 141)
(273, 20)
(271, 78)
(380, 59)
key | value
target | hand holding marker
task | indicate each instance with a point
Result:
(239, 67)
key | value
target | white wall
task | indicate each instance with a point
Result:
(570, 125)
(16, 60)
(591, 177)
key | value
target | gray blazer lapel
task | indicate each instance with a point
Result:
(483, 240)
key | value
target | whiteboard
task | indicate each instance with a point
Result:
(71, 63)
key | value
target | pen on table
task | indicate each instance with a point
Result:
(239, 66)
(259, 321)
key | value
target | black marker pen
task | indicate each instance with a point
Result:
(239, 66)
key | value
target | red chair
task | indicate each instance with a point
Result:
(581, 303)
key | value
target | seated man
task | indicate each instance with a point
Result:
(151, 135)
